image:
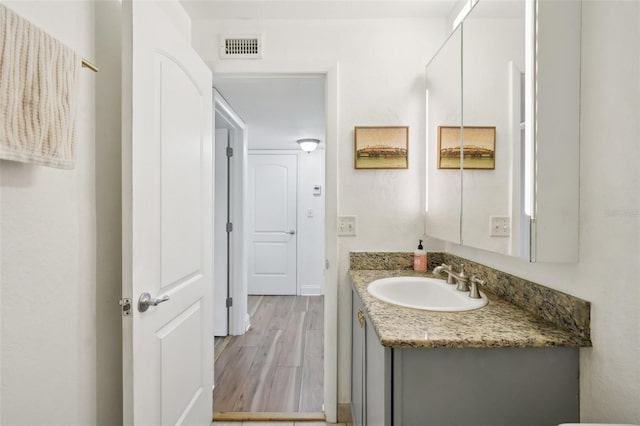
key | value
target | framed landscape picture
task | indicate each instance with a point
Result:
(381, 147)
(479, 147)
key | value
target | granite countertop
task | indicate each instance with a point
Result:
(499, 324)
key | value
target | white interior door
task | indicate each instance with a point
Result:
(221, 236)
(272, 224)
(167, 222)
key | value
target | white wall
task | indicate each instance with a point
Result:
(311, 169)
(48, 259)
(608, 270)
(381, 82)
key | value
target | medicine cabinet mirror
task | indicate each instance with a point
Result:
(523, 200)
(444, 106)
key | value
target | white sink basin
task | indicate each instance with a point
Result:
(429, 294)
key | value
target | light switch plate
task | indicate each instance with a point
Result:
(347, 226)
(499, 226)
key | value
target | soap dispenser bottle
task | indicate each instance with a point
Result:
(420, 258)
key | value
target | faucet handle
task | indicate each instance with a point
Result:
(462, 274)
(475, 279)
(475, 282)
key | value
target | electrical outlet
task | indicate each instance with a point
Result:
(346, 226)
(499, 226)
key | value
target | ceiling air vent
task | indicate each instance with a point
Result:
(241, 47)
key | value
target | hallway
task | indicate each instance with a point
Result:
(277, 366)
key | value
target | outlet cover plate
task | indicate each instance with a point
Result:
(347, 226)
(499, 226)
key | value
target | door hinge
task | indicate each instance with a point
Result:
(229, 302)
(229, 151)
(126, 306)
(229, 226)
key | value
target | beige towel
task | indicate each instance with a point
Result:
(38, 91)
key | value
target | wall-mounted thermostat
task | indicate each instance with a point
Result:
(317, 190)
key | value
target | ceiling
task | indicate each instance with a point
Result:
(317, 9)
(277, 110)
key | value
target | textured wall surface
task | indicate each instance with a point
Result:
(48, 236)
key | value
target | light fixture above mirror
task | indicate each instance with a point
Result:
(308, 145)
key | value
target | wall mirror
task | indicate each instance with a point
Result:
(518, 126)
(444, 108)
(493, 51)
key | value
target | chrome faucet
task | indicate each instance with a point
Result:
(453, 277)
(446, 268)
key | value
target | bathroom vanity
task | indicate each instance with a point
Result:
(498, 365)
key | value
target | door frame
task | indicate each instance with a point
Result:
(330, 72)
(238, 139)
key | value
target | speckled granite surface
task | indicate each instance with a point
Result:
(389, 260)
(499, 324)
(380, 260)
(568, 312)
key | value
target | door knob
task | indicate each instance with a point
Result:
(146, 300)
(292, 232)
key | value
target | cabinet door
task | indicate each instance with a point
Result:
(370, 371)
(357, 362)
(377, 379)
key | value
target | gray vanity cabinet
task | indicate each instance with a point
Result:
(504, 386)
(370, 372)
(358, 351)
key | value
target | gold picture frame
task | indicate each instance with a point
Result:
(384, 147)
(479, 147)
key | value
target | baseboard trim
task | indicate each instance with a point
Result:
(235, 416)
(310, 290)
(344, 413)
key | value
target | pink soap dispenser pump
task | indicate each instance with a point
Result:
(420, 258)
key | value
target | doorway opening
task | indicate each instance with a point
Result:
(277, 366)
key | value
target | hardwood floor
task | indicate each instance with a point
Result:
(279, 424)
(276, 366)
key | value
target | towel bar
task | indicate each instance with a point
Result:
(87, 64)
